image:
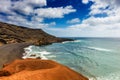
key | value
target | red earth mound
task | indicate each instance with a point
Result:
(36, 69)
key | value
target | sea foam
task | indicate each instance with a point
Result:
(112, 76)
(85, 58)
(75, 41)
(29, 53)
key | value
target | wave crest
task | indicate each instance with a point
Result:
(99, 49)
(29, 53)
(75, 41)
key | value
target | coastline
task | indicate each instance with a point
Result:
(11, 52)
(13, 40)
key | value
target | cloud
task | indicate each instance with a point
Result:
(31, 13)
(109, 7)
(100, 26)
(23, 6)
(72, 21)
(5, 5)
(36, 22)
(85, 1)
(52, 23)
(38, 3)
(25, 13)
(12, 10)
(27, 6)
(58, 12)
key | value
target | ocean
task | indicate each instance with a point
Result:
(95, 58)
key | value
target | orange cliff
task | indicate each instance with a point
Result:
(36, 69)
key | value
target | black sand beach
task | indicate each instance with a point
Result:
(10, 52)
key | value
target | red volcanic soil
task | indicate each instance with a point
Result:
(36, 69)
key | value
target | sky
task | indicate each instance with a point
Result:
(65, 18)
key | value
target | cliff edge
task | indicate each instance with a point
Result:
(17, 34)
(36, 69)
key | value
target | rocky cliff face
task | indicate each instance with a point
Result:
(16, 34)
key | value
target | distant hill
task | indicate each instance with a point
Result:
(17, 34)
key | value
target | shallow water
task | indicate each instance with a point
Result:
(96, 58)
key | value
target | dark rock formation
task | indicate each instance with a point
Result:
(17, 34)
(2, 42)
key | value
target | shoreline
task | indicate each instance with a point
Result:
(36, 69)
(11, 52)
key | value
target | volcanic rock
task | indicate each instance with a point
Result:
(18, 34)
(36, 69)
(2, 42)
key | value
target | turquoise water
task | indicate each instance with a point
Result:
(96, 58)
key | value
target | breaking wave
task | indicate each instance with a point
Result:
(94, 58)
(112, 76)
(30, 53)
(75, 41)
(99, 49)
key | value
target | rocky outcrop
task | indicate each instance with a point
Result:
(2, 42)
(36, 69)
(17, 34)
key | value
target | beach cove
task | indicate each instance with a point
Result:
(12, 51)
